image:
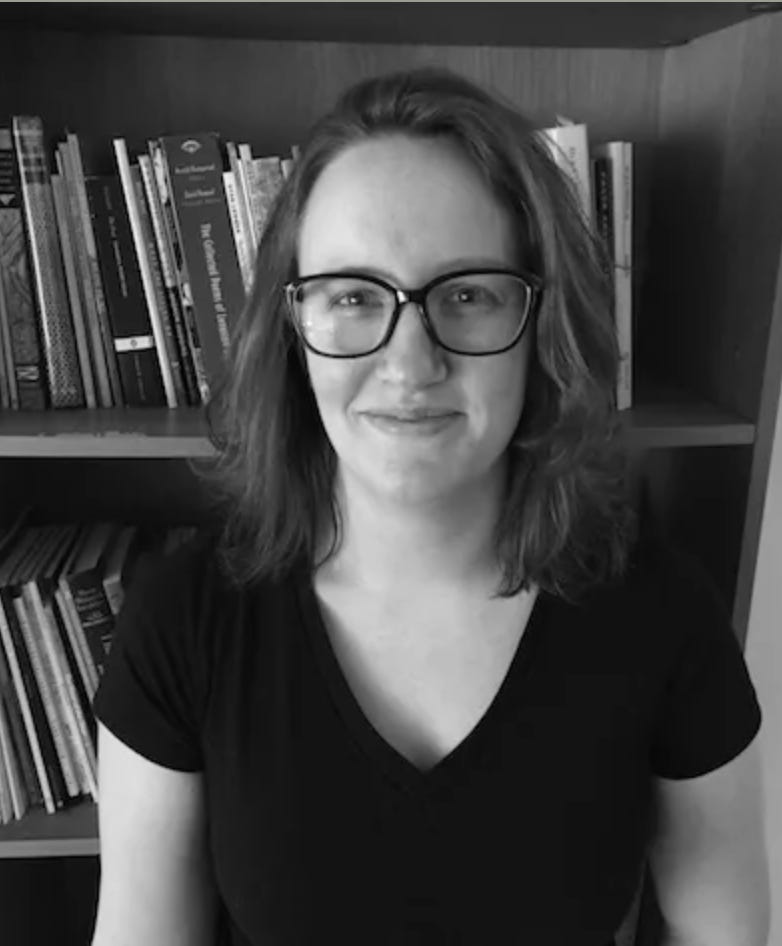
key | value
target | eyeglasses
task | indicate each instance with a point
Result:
(470, 312)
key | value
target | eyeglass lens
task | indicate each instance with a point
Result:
(471, 313)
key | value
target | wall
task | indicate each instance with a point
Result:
(764, 657)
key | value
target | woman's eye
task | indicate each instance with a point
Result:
(356, 299)
(472, 296)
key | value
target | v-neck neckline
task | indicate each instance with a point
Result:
(394, 764)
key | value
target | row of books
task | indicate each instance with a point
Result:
(602, 177)
(121, 289)
(61, 589)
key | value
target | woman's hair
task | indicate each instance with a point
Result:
(566, 523)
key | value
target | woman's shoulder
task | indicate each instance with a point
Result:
(663, 582)
(195, 579)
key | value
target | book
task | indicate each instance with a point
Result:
(19, 743)
(81, 581)
(568, 144)
(18, 316)
(604, 203)
(57, 661)
(161, 255)
(242, 237)
(193, 344)
(26, 602)
(37, 727)
(71, 149)
(8, 397)
(268, 178)
(9, 765)
(619, 157)
(194, 167)
(105, 376)
(62, 215)
(133, 336)
(59, 344)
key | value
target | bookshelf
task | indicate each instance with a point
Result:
(697, 87)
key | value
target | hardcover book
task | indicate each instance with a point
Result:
(195, 173)
(182, 278)
(134, 343)
(20, 319)
(59, 343)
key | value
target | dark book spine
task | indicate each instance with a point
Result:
(195, 173)
(18, 306)
(604, 204)
(59, 343)
(134, 343)
(92, 607)
(19, 740)
(43, 731)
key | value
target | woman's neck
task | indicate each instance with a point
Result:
(387, 544)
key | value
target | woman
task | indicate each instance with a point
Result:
(427, 687)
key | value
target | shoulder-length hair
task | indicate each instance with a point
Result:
(567, 522)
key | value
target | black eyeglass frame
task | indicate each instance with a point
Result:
(418, 296)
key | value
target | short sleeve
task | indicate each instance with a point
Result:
(149, 695)
(709, 709)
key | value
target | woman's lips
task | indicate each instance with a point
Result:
(415, 424)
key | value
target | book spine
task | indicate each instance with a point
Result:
(77, 640)
(569, 147)
(100, 350)
(19, 738)
(73, 715)
(132, 336)
(74, 150)
(164, 328)
(8, 394)
(182, 276)
(622, 177)
(10, 765)
(604, 205)
(79, 695)
(38, 733)
(59, 344)
(165, 256)
(31, 634)
(71, 279)
(195, 172)
(269, 177)
(241, 238)
(6, 805)
(94, 613)
(27, 378)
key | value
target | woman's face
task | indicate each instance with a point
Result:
(408, 210)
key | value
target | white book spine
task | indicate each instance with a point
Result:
(569, 146)
(241, 238)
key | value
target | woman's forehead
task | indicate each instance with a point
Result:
(397, 197)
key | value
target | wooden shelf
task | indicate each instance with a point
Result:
(662, 419)
(598, 25)
(129, 433)
(72, 832)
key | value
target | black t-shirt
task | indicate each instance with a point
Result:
(532, 831)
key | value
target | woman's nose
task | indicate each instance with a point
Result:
(411, 358)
